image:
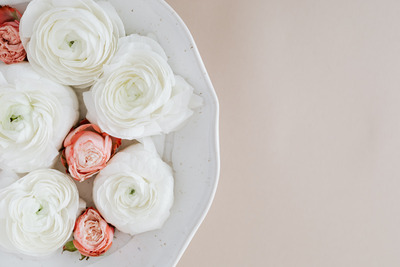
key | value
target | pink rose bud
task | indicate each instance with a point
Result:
(8, 13)
(11, 48)
(93, 236)
(87, 150)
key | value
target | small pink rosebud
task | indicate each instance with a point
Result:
(93, 236)
(11, 48)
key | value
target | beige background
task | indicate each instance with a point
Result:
(309, 96)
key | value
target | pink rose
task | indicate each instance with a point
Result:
(93, 236)
(11, 49)
(87, 150)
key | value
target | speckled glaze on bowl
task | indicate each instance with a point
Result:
(193, 151)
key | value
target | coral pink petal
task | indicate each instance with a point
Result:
(96, 128)
(107, 147)
(74, 134)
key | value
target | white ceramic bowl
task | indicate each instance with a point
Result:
(193, 151)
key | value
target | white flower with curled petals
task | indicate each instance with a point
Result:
(138, 94)
(38, 213)
(69, 41)
(35, 116)
(135, 191)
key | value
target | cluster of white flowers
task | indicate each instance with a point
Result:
(131, 93)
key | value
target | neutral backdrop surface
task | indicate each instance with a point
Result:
(309, 97)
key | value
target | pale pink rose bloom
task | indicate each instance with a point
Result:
(11, 48)
(93, 236)
(87, 151)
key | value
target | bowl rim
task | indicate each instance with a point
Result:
(215, 126)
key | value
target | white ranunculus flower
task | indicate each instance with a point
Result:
(69, 41)
(35, 116)
(38, 212)
(139, 95)
(135, 191)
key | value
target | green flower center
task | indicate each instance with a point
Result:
(41, 207)
(15, 118)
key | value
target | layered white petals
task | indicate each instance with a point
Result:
(135, 191)
(7, 177)
(69, 41)
(139, 95)
(38, 212)
(36, 115)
